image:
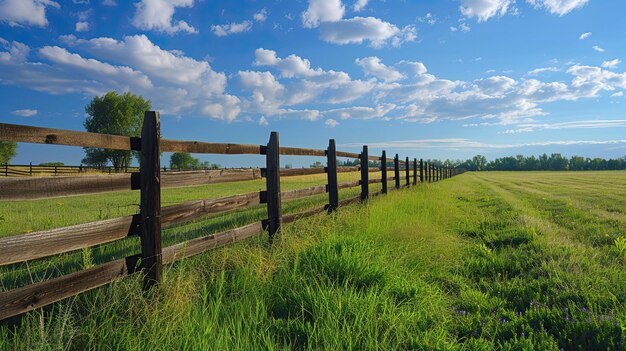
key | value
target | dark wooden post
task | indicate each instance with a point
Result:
(331, 172)
(383, 168)
(150, 209)
(396, 170)
(364, 175)
(80, 168)
(6, 169)
(430, 172)
(414, 171)
(407, 165)
(421, 170)
(272, 181)
(55, 170)
(30, 169)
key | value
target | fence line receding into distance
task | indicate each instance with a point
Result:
(152, 217)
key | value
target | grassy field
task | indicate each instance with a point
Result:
(483, 261)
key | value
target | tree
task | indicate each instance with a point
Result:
(184, 160)
(317, 164)
(479, 162)
(114, 114)
(8, 150)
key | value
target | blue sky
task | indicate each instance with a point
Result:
(429, 79)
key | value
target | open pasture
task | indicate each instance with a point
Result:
(482, 261)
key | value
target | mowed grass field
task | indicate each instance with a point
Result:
(482, 261)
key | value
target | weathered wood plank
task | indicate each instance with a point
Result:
(45, 243)
(347, 154)
(300, 193)
(353, 184)
(30, 297)
(297, 151)
(272, 186)
(48, 187)
(200, 147)
(205, 243)
(25, 247)
(39, 135)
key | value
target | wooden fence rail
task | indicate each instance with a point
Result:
(149, 178)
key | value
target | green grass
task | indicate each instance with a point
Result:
(485, 261)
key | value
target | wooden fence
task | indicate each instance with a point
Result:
(152, 217)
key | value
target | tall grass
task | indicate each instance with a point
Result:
(465, 264)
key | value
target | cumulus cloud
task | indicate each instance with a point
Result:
(25, 12)
(483, 10)
(82, 26)
(24, 113)
(558, 7)
(598, 49)
(331, 123)
(358, 30)
(322, 11)
(584, 35)
(611, 63)
(175, 83)
(359, 5)
(372, 66)
(263, 121)
(158, 15)
(232, 28)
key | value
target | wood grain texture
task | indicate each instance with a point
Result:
(298, 151)
(347, 154)
(45, 243)
(30, 297)
(39, 135)
(353, 184)
(205, 243)
(300, 193)
(199, 147)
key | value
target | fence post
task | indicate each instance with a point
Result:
(55, 170)
(6, 169)
(383, 167)
(272, 181)
(364, 174)
(30, 169)
(331, 172)
(396, 170)
(80, 168)
(150, 212)
(407, 165)
(421, 170)
(430, 172)
(414, 171)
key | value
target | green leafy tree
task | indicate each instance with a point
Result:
(8, 150)
(184, 160)
(317, 164)
(116, 114)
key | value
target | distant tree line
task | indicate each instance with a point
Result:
(545, 162)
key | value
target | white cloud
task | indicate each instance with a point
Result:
(611, 64)
(232, 28)
(25, 12)
(372, 66)
(428, 18)
(359, 5)
(590, 124)
(598, 49)
(360, 112)
(331, 123)
(24, 113)
(157, 15)
(558, 7)
(584, 35)
(538, 71)
(366, 29)
(618, 94)
(260, 16)
(82, 26)
(263, 121)
(322, 11)
(418, 68)
(483, 10)
(465, 144)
